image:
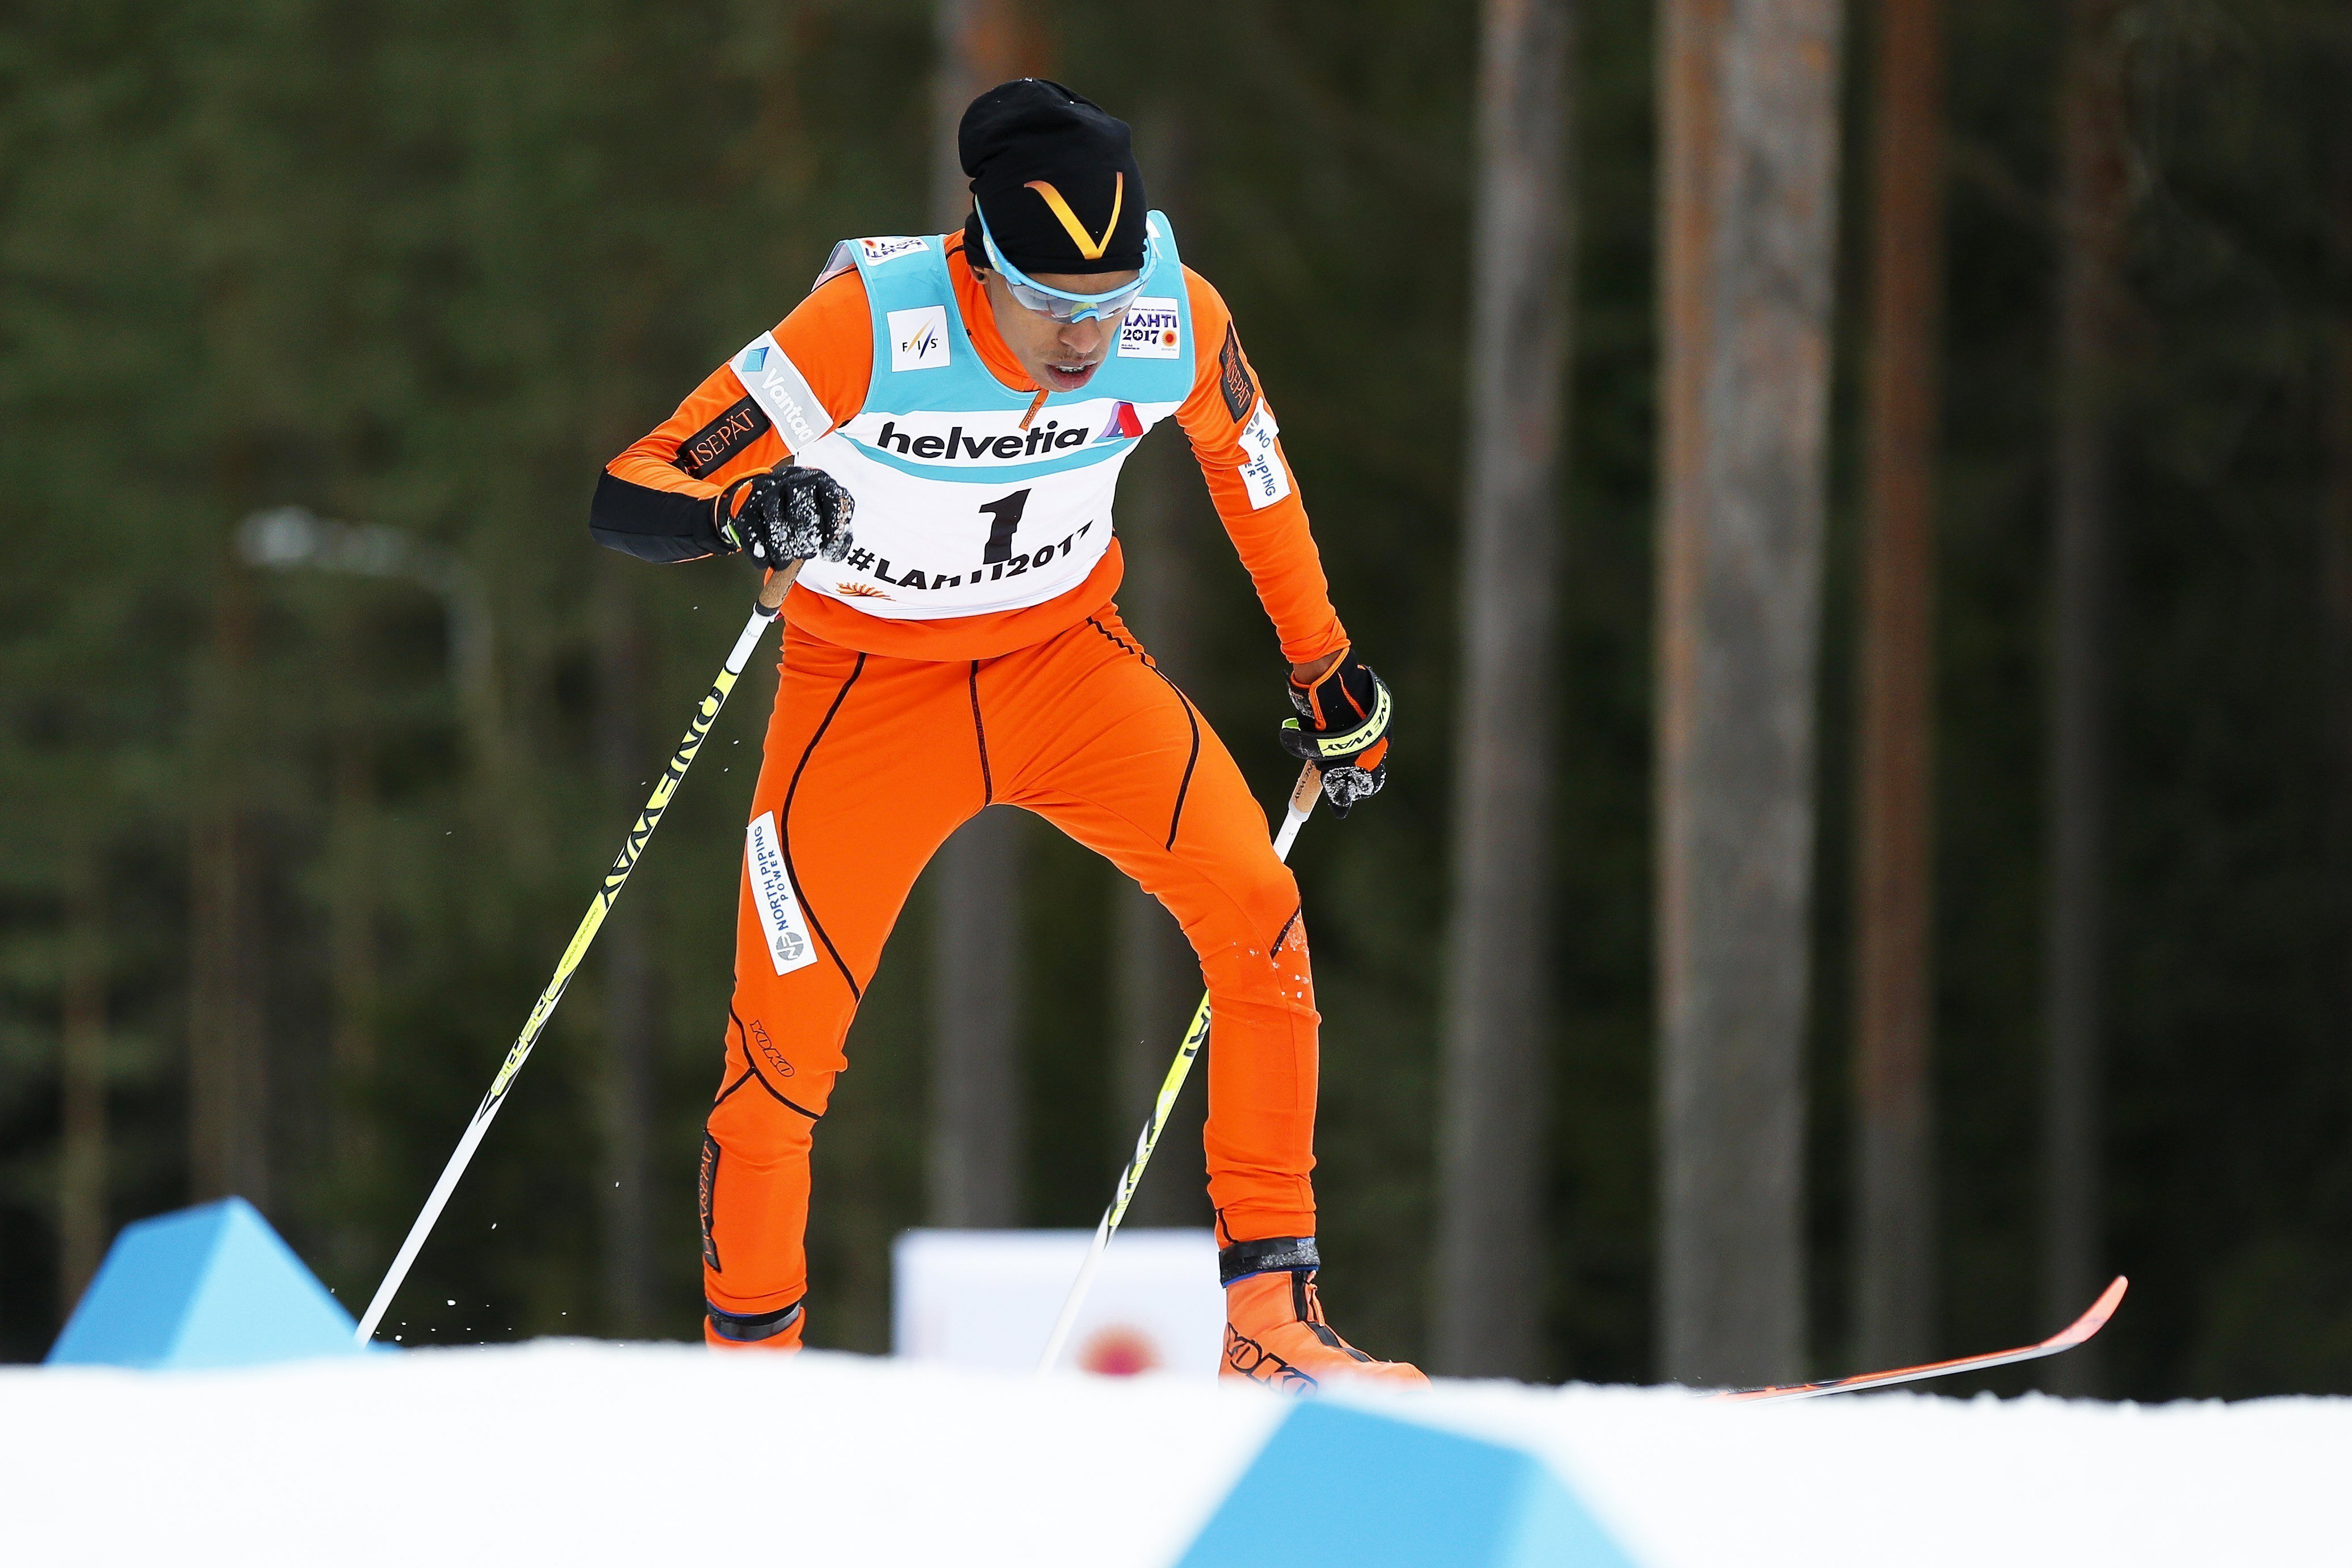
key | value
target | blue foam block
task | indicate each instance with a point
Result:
(1340, 1486)
(211, 1286)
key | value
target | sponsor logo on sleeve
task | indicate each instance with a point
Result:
(1149, 330)
(708, 449)
(1234, 375)
(771, 893)
(1262, 468)
(918, 337)
(782, 393)
(890, 248)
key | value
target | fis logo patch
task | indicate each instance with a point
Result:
(889, 247)
(772, 892)
(1123, 425)
(1148, 331)
(918, 337)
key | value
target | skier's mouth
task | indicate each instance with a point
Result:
(1068, 375)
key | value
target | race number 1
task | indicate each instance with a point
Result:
(1006, 512)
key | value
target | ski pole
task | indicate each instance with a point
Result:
(1303, 797)
(705, 714)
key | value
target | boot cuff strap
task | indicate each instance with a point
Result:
(1243, 1259)
(750, 1330)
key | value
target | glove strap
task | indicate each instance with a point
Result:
(1243, 1259)
(1347, 744)
(722, 512)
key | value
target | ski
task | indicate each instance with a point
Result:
(2066, 1339)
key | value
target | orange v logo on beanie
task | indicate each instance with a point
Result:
(1089, 247)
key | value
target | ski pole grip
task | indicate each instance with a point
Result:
(1309, 786)
(777, 584)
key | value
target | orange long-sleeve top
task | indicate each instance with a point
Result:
(660, 488)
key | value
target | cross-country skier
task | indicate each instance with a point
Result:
(937, 430)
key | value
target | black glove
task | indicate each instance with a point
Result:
(1343, 725)
(785, 515)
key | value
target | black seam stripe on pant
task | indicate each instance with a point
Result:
(751, 1071)
(1284, 935)
(980, 733)
(1184, 786)
(785, 823)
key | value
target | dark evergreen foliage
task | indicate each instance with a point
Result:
(430, 265)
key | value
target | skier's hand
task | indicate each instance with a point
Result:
(1342, 725)
(785, 515)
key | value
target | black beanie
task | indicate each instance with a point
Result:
(1056, 177)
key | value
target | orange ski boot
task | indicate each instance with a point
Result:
(778, 1330)
(1275, 1329)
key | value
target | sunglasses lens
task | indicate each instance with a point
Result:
(1061, 310)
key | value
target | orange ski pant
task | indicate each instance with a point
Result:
(870, 763)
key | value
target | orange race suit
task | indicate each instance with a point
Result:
(891, 730)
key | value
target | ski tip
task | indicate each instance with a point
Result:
(2092, 1321)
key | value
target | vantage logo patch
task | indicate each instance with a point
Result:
(789, 944)
(918, 337)
(1149, 330)
(889, 247)
(782, 393)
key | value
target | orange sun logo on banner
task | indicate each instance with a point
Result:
(1089, 247)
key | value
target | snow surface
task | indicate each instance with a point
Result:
(573, 1453)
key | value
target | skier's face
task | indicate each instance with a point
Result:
(1061, 356)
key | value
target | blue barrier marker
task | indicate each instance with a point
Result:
(1339, 1486)
(207, 1286)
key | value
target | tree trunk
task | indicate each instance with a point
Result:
(2335, 547)
(82, 1150)
(352, 874)
(228, 1083)
(976, 1132)
(980, 43)
(1894, 1003)
(1749, 97)
(632, 1040)
(1156, 981)
(2336, 629)
(2091, 211)
(1487, 1312)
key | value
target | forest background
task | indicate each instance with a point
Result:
(428, 266)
